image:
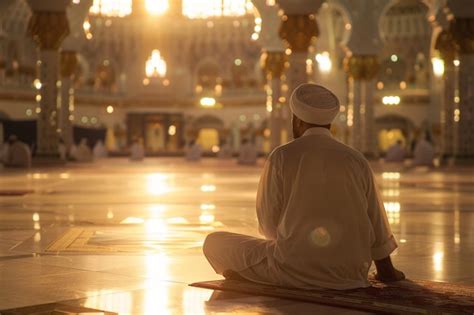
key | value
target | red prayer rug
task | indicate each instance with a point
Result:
(404, 297)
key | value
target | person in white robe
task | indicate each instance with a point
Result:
(137, 151)
(84, 153)
(193, 151)
(424, 153)
(318, 208)
(396, 153)
(73, 152)
(225, 151)
(99, 150)
(18, 153)
(62, 150)
(247, 153)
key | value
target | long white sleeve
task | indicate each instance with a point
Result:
(385, 242)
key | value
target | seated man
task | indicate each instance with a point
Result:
(396, 153)
(318, 208)
(248, 153)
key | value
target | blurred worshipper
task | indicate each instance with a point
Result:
(62, 150)
(396, 153)
(99, 150)
(73, 152)
(137, 150)
(84, 153)
(18, 153)
(317, 206)
(424, 153)
(247, 153)
(193, 151)
(225, 151)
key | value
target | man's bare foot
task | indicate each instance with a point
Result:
(392, 276)
(386, 272)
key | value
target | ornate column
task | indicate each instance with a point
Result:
(463, 33)
(446, 46)
(298, 31)
(48, 29)
(273, 63)
(68, 65)
(362, 70)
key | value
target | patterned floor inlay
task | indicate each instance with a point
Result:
(127, 239)
(55, 309)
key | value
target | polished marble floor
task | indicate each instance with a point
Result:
(126, 237)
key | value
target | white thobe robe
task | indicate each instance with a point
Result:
(137, 152)
(424, 153)
(248, 154)
(83, 153)
(395, 154)
(18, 155)
(194, 153)
(321, 214)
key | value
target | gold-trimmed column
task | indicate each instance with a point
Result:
(463, 34)
(68, 65)
(298, 31)
(447, 47)
(48, 29)
(361, 70)
(273, 62)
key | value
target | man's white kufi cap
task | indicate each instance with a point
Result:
(314, 104)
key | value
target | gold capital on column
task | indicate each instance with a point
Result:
(67, 63)
(361, 67)
(447, 46)
(298, 30)
(273, 62)
(48, 29)
(463, 33)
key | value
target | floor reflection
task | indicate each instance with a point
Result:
(127, 238)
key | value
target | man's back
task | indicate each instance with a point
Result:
(324, 233)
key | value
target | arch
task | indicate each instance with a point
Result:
(395, 122)
(393, 3)
(337, 6)
(207, 121)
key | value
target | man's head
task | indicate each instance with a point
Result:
(299, 126)
(312, 106)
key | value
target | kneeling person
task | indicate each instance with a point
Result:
(318, 208)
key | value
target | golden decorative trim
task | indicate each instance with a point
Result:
(48, 29)
(446, 45)
(298, 31)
